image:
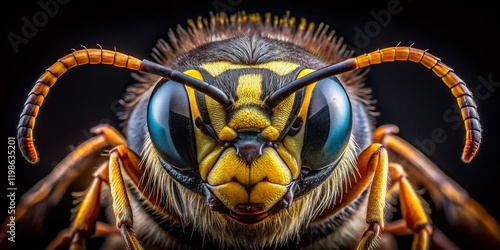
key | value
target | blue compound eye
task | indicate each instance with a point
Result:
(328, 125)
(170, 125)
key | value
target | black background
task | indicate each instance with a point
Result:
(464, 36)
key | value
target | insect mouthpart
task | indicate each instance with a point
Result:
(251, 213)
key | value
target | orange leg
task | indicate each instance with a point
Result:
(63, 239)
(51, 189)
(120, 158)
(449, 197)
(374, 163)
(414, 209)
(372, 167)
(85, 224)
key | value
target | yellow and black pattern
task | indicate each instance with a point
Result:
(248, 60)
(250, 133)
(249, 185)
(251, 84)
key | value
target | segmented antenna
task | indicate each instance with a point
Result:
(457, 86)
(95, 56)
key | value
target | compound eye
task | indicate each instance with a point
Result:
(328, 125)
(170, 125)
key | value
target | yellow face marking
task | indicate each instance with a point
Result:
(293, 144)
(290, 160)
(264, 181)
(249, 89)
(282, 112)
(249, 118)
(267, 193)
(269, 166)
(216, 113)
(208, 162)
(308, 94)
(227, 134)
(270, 133)
(194, 108)
(280, 68)
(231, 194)
(227, 168)
(204, 144)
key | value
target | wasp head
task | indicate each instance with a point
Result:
(252, 159)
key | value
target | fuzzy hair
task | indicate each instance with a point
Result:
(318, 40)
